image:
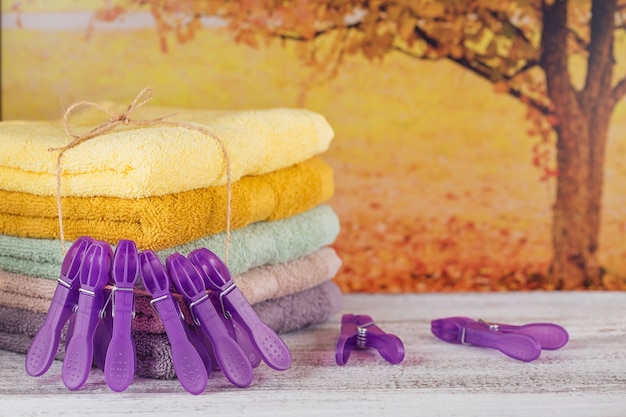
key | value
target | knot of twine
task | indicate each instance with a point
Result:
(123, 118)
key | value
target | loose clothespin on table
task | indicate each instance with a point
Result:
(358, 331)
(519, 342)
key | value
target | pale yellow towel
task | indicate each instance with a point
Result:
(137, 162)
(161, 222)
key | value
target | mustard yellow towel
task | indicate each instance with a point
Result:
(137, 162)
(160, 222)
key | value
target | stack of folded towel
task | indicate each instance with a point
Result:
(166, 188)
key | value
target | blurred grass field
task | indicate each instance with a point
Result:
(435, 187)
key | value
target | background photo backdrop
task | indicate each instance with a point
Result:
(445, 153)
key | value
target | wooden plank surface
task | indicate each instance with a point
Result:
(585, 378)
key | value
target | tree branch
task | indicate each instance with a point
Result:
(477, 66)
(514, 92)
(298, 37)
(578, 40)
(483, 72)
(601, 60)
(619, 91)
(421, 34)
(518, 32)
(342, 50)
(554, 59)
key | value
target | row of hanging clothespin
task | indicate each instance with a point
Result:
(228, 335)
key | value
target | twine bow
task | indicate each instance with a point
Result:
(123, 118)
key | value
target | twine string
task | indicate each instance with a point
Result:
(123, 118)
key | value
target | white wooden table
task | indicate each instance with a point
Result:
(585, 378)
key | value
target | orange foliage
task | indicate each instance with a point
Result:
(499, 41)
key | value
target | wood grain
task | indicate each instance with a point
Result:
(585, 378)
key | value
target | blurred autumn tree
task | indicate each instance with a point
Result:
(523, 47)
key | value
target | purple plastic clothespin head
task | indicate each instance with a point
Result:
(269, 346)
(190, 369)
(358, 331)
(229, 355)
(94, 275)
(45, 344)
(120, 357)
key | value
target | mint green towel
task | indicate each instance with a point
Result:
(262, 243)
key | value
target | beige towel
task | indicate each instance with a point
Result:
(257, 285)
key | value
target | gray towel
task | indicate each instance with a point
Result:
(154, 356)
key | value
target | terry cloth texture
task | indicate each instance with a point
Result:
(138, 162)
(262, 243)
(154, 355)
(257, 285)
(160, 222)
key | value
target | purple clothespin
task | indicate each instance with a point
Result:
(45, 344)
(549, 335)
(190, 369)
(119, 368)
(267, 344)
(234, 329)
(94, 275)
(523, 343)
(104, 332)
(358, 331)
(229, 355)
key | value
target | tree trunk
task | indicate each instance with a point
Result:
(596, 97)
(577, 208)
(598, 132)
(583, 120)
(574, 263)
